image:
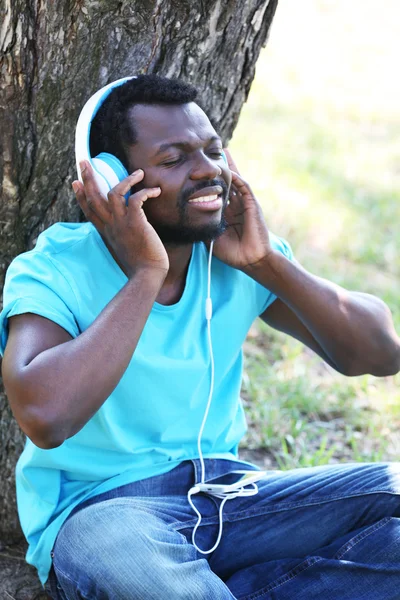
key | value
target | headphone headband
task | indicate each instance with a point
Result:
(82, 136)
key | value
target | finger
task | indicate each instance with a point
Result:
(234, 193)
(143, 195)
(116, 196)
(83, 203)
(125, 185)
(96, 201)
(240, 185)
(231, 163)
(232, 196)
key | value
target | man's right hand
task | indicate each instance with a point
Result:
(124, 227)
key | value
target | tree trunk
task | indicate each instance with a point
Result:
(53, 55)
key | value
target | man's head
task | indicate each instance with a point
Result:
(154, 123)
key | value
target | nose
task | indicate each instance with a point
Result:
(204, 168)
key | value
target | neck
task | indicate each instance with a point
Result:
(179, 258)
(174, 283)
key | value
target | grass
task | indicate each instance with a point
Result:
(321, 125)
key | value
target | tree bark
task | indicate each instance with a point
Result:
(53, 55)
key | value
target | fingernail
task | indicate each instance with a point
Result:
(83, 165)
(75, 186)
(137, 172)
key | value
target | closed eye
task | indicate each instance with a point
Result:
(172, 162)
(215, 153)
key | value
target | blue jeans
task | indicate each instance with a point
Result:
(330, 533)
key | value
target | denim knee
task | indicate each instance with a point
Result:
(112, 550)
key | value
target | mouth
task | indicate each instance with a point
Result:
(209, 198)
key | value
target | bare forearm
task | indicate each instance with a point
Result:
(68, 383)
(354, 329)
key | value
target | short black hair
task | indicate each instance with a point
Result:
(112, 132)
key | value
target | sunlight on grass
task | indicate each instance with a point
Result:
(318, 141)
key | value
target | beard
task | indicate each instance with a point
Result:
(186, 232)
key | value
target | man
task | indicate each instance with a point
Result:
(106, 367)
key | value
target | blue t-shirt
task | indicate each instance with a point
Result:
(151, 421)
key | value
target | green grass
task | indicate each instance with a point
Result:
(318, 141)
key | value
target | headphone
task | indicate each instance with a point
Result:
(108, 169)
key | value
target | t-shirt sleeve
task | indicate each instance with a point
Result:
(35, 284)
(263, 296)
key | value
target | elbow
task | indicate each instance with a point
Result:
(390, 369)
(40, 427)
(391, 366)
(43, 428)
(42, 432)
(35, 414)
(38, 421)
(384, 371)
(46, 442)
(386, 367)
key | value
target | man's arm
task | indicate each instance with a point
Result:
(55, 383)
(352, 331)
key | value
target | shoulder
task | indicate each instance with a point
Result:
(59, 248)
(61, 237)
(52, 262)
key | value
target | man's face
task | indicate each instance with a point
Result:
(180, 152)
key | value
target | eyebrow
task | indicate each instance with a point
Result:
(183, 145)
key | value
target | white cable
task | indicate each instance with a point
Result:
(190, 493)
(225, 497)
(208, 318)
(242, 491)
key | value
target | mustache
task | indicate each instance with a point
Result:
(185, 195)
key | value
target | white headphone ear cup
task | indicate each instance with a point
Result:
(111, 167)
(109, 171)
(102, 183)
(104, 175)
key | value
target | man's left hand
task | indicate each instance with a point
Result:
(246, 240)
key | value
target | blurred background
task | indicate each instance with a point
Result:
(319, 141)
